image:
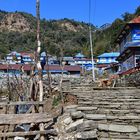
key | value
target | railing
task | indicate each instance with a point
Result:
(131, 44)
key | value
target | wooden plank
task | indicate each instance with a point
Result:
(22, 103)
(29, 133)
(24, 118)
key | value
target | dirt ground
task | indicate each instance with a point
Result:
(56, 109)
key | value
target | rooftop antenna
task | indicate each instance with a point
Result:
(91, 42)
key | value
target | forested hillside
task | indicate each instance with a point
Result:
(18, 33)
(104, 41)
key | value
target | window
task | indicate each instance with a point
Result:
(137, 60)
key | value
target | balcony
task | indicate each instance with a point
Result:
(132, 44)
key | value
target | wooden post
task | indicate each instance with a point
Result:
(48, 73)
(38, 64)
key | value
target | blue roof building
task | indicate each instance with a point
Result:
(128, 42)
(107, 58)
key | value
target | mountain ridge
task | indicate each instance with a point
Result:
(59, 37)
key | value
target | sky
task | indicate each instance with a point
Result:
(102, 11)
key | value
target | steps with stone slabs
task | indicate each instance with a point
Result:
(117, 112)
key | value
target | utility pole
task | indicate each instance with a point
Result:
(91, 49)
(91, 43)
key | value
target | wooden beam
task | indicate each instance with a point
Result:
(24, 118)
(22, 103)
(29, 133)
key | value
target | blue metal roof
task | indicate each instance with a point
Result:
(112, 54)
(107, 62)
(43, 54)
(79, 55)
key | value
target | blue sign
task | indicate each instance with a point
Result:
(136, 35)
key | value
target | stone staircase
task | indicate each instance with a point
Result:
(105, 114)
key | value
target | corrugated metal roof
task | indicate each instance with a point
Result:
(79, 55)
(27, 67)
(66, 67)
(112, 54)
(135, 20)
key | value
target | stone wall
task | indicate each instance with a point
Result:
(129, 80)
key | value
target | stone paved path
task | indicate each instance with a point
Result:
(109, 114)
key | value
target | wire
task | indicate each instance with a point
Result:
(94, 11)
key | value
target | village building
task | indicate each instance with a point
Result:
(18, 58)
(27, 58)
(16, 69)
(79, 56)
(105, 59)
(69, 60)
(129, 46)
(84, 62)
(13, 58)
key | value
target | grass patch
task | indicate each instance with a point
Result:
(56, 101)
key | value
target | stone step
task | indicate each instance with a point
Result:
(106, 93)
(115, 139)
(86, 135)
(115, 113)
(123, 101)
(112, 112)
(111, 117)
(118, 128)
(86, 108)
(107, 103)
(109, 98)
(85, 103)
(117, 107)
(115, 98)
(95, 117)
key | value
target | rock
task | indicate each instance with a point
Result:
(19, 138)
(55, 89)
(115, 139)
(85, 103)
(73, 126)
(109, 117)
(86, 135)
(129, 118)
(86, 108)
(66, 137)
(77, 115)
(67, 120)
(87, 125)
(15, 22)
(95, 116)
(117, 128)
(70, 108)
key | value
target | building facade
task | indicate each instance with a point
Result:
(107, 58)
(15, 69)
(129, 45)
(13, 58)
(18, 58)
